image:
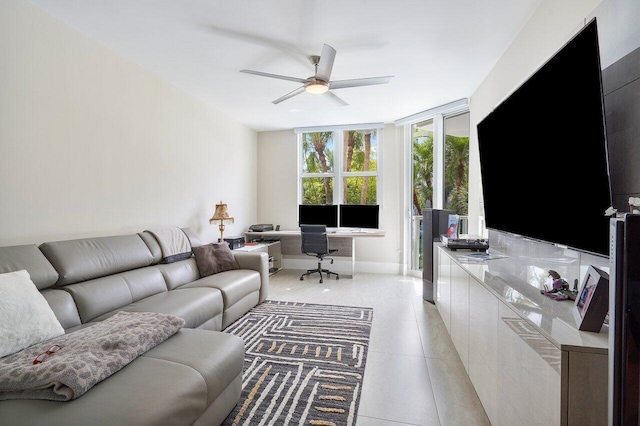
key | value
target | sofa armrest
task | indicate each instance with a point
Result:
(257, 261)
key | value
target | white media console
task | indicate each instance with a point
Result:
(528, 362)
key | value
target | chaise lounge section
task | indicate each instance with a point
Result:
(193, 377)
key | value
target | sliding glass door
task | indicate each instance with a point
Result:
(439, 150)
(422, 143)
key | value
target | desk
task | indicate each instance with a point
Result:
(341, 239)
(272, 249)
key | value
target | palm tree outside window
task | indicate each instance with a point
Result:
(340, 166)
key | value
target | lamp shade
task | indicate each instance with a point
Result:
(221, 214)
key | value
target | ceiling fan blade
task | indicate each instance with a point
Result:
(341, 84)
(289, 95)
(334, 98)
(325, 65)
(280, 77)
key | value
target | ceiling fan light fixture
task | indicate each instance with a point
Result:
(316, 88)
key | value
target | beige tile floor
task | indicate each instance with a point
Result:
(413, 374)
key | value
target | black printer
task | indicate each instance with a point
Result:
(235, 242)
(261, 227)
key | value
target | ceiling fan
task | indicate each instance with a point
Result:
(321, 82)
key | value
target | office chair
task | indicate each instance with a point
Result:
(315, 242)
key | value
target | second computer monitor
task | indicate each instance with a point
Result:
(318, 214)
(359, 216)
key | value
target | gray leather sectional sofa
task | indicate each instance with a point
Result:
(194, 377)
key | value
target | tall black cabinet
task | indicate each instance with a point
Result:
(624, 321)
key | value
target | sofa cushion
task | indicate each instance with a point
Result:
(214, 258)
(240, 291)
(196, 305)
(25, 316)
(99, 296)
(63, 306)
(31, 259)
(96, 297)
(165, 386)
(218, 360)
(179, 273)
(89, 258)
(234, 285)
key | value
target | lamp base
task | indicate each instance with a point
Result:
(221, 227)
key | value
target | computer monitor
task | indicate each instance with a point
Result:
(359, 216)
(318, 214)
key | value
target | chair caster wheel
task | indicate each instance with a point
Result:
(301, 278)
(337, 278)
(320, 281)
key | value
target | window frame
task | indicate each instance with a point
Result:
(337, 135)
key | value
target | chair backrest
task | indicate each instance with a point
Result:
(314, 239)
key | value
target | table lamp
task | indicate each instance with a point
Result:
(221, 214)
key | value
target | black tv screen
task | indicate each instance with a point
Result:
(359, 216)
(318, 214)
(543, 155)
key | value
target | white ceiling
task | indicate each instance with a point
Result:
(437, 50)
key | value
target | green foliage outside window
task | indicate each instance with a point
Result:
(314, 190)
(422, 170)
(360, 155)
(456, 177)
(317, 150)
(353, 190)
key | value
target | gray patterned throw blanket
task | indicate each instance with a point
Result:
(75, 362)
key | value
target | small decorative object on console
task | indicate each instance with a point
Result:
(560, 288)
(452, 226)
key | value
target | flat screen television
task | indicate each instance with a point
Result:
(318, 214)
(359, 216)
(543, 154)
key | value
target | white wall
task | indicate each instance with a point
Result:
(278, 178)
(92, 144)
(552, 25)
(278, 196)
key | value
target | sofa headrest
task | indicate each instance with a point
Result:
(28, 257)
(89, 258)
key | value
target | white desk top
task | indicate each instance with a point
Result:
(553, 318)
(336, 233)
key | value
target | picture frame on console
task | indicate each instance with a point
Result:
(592, 302)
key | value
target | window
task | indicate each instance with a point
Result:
(317, 168)
(340, 166)
(360, 167)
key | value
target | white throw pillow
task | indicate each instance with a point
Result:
(25, 316)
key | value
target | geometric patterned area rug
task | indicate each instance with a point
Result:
(304, 364)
